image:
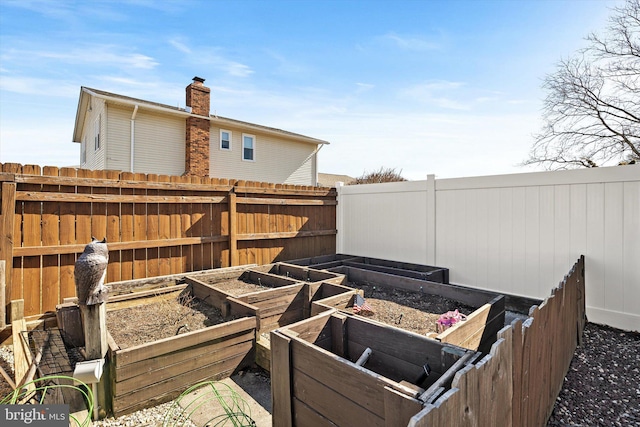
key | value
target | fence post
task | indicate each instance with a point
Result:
(339, 218)
(7, 215)
(233, 237)
(431, 220)
(3, 301)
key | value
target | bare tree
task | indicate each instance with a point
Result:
(592, 109)
(381, 175)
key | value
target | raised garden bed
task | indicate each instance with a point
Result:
(410, 304)
(176, 313)
(166, 358)
(397, 268)
(317, 380)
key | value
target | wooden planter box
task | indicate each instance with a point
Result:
(155, 372)
(315, 380)
(478, 332)
(305, 274)
(398, 268)
(270, 315)
(470, 296)
(289, 300)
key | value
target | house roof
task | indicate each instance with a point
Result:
(330, 179)
(86, 93)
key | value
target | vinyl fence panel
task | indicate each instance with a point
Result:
(514, 233)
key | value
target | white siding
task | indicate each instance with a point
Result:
(514, 233)
(159, 143)
(276, 160)
(119, 145)
(95, 160)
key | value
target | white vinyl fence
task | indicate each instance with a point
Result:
(515, 234)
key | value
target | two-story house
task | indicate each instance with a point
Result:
(122, 133)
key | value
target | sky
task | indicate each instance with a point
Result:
(445, 87)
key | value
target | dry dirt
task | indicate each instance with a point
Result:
(171, 317)
(411, 311)
(150, 322)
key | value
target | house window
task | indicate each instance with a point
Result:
(96, 133)
(225, 140)
(248, 147)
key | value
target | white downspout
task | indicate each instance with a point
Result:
(315, 163)
(133, 136)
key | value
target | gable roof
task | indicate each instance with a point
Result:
(86, 93)
(330, 179)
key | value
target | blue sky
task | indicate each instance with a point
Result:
(451, 88)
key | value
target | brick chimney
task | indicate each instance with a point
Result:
(197, 135)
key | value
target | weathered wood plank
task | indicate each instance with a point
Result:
(470, 333)
(362, 386)
(184, 362)
(21, 352)
(140, 244)
(398, 408)
(332, 404)
(118, 183)
(3, 288)
(472, 297)
(31, 236)
(33, 196)
(205, 349)
(303, 415)
(281, 380)
(401, 344)
(7, 216)
(170, 388)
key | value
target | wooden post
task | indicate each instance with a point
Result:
(7, 215)
(3, 303)
(282, 414)
(21, 352)
(94, 324)
(233, 230)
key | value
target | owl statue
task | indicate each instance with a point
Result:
(90, 271)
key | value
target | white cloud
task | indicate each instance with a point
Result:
(38, 86)
(363, 87)
(409, 42)
(238, 70)
(284, 64)
(180, 45)
(90, 54)
(438, 93)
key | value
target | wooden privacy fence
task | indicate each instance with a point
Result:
(526, 366)
(154, 224)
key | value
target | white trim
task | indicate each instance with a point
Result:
(219, 121)
(97, 130)
(620, 320)
(253, 148)
(230, 140)
(83, 151)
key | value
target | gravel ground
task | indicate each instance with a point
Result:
(602, 387)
